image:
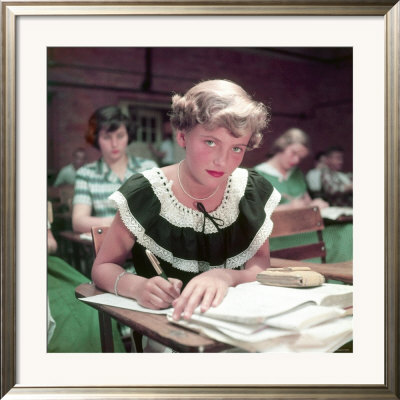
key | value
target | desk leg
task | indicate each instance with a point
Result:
(106, 336)
(77, 257)
(137, 338)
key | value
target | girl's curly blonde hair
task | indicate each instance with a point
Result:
(220, 103)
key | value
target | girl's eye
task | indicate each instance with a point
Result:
(210, 143)
(237, 149)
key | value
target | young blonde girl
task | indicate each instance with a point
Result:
(206, 220)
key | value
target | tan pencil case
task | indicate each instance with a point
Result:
(291, 277)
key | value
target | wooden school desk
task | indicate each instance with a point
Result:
(156, 326)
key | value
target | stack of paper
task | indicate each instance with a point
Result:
(86, 236)
(262, 318)
(336, 212)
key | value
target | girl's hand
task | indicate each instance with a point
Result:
(319, 203)
(206, 290)
(299, 202)
(157, 293)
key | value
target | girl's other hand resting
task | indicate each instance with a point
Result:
(299, 202)
(157, 293)
(319, 203)
(206, 290)
(306, 201)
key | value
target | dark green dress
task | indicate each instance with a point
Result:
(186, 241)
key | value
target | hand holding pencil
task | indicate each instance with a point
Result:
(158, 293)
(156, 264)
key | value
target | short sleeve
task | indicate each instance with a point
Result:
(82, 193)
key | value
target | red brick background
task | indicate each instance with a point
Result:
(310, 88)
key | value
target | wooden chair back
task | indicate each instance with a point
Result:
(98, 235)
(302, 220)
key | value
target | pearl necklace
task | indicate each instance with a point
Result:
(187, 194)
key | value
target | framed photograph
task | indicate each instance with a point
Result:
(30, 29)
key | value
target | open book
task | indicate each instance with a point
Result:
(254, 304)
(260, 318)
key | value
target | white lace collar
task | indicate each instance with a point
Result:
(184, 217)
(193, 265)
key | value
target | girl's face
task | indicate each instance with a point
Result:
(211, 156)
(292, 155)
(113, 144)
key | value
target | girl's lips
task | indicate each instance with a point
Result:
(215, 174)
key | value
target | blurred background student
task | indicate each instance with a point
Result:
(67, 174)
(313, 176)
(165, 153)
(110, 130)
(336, 186)
(281, 169)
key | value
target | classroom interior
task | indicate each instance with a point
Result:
(310, 88)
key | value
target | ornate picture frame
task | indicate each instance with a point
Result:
(387, 9)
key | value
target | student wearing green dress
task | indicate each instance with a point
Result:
(206, 220)
(281, 169)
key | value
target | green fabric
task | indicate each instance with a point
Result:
(338, 237)
(77, 324)
(294, 186)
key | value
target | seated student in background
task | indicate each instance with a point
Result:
(165, 152)
(109, 131)
(313, 176)
(67, 174)
(281, 169)
(206, 220)
(72, 327)
(337, 186)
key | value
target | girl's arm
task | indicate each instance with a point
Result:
(51, 242)
(154, 293)
(82, 221)
(209, 288)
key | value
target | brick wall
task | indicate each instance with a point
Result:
(307, 90)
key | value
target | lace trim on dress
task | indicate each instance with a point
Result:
(196, 266)
(184, 217)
